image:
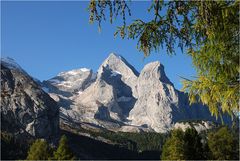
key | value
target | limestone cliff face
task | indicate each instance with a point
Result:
(107, 100)
(156, 101)
(159, 105)
(121, 99)
(25, 107)
(116, 98)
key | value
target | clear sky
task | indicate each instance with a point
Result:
(46, 38)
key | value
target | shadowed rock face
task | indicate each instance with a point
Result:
(25, 107)
(121, 99)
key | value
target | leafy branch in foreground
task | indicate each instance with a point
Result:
(217, 59)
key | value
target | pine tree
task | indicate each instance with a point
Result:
(39, 150)
(63, 151)
(192, 145)
(183, 146)
(223, 144)
(173, 149)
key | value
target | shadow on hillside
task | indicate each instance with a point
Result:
(87, 148)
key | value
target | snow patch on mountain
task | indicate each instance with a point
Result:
(84, 69)
(115, 73)
(74, 72)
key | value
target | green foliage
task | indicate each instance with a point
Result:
(217, 58)
(163, 30)
(63, 151)
(224, 144)
(98, 7)
(208, 30)
(184, 146)
(220, 144)
(39, 150)
(13, 148)
(173, 149)
(146, 141)
(192, 145)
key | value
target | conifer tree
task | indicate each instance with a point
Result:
(173, 149)
(183, 146)
(223, 144)
(63, 151)
(192, 145)
(39, 150)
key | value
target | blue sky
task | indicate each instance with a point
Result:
(46, 38)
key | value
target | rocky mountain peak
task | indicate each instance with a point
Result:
(113, 57)
(116, 69)
(25, 107)
(71, 81)
(11, 64)
(115, 98)
(155, 70)
(120, 97)
(117, 64)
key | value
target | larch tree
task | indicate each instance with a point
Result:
(39, 150)
(224, 144)
(63, 151)
(173, 149)
(208, 31)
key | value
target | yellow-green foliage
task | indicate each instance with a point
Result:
(224, 144)
(183, 146)
(63, 152)
(40, 150)
(216, 57)
(173, 148)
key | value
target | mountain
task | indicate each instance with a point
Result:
(25, 108)
(118, 98)
(159, 105)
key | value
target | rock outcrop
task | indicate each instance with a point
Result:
(159, 105)
(120, 99)
(157, 99)
(25, 107)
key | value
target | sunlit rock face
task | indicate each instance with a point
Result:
(159, 105)
(118, 98)
(157, 99)
(25, 107)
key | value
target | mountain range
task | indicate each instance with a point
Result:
(117, 97)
